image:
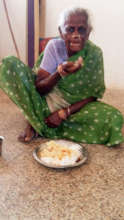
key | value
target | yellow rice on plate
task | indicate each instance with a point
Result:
(59, 154)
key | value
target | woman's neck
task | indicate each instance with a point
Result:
(71, 53)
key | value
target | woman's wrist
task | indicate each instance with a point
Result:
(68, 111)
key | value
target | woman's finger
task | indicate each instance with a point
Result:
(67, 64)
(74, 68)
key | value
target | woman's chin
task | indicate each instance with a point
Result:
(74, 50)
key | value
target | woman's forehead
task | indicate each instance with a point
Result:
(76, 19)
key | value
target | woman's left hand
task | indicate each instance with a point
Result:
(56, 118)
(69, 67)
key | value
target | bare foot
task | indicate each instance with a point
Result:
(28, 134)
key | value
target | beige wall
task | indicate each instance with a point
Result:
(17, 14)
(108, 22)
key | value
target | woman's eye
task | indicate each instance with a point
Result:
(82, 30)
(70, 29)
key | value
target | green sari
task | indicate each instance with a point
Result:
(95, 123)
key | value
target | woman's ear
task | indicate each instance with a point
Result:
(88, 32)
(60, 32)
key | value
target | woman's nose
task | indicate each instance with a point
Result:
(76, 35)
(76, 32)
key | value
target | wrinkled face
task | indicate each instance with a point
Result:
(75, 32)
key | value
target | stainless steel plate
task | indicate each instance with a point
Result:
(82, 150)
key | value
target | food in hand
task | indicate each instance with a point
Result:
(79, 62)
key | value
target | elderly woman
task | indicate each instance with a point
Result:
(62, 101)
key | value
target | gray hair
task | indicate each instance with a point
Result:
(64, 15)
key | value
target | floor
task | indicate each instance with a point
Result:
(30, 191)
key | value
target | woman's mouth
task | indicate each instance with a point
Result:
(75, 46)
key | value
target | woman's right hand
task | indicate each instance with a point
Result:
(70, 67)
(56, 118)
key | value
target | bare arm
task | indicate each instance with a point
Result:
(45, 81)
(55, 119)
(78, 105)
